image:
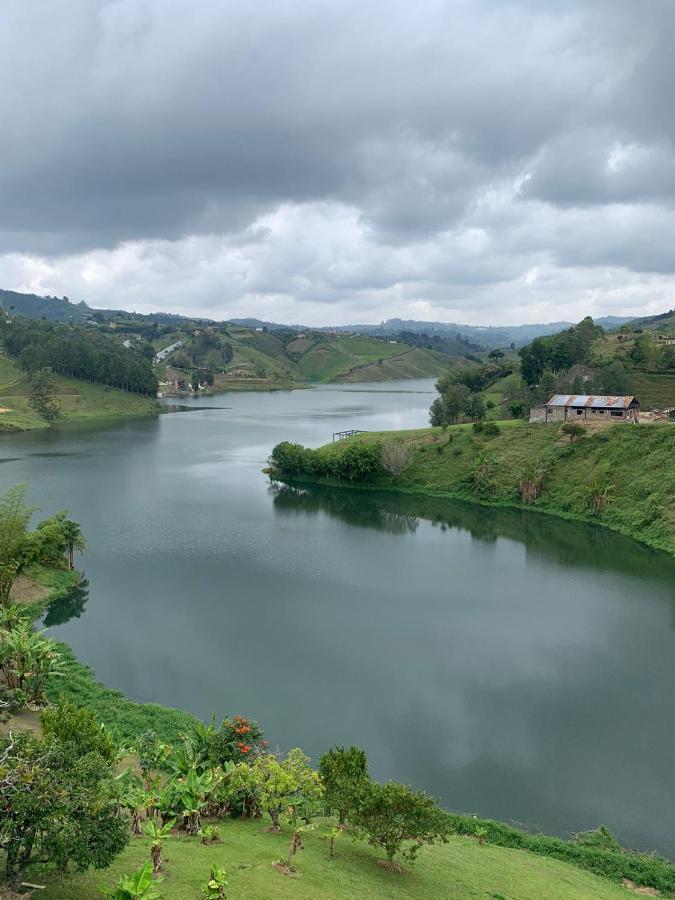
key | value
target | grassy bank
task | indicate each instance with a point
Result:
(460, 869)
(128, 719)
(631, 469)
(80, 401)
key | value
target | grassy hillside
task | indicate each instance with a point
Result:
(244, 357)
(631, 469)
(80, 401)
(459, 870)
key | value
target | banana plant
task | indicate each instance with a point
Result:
(190, 795)
(157, 833)
(138, 886)
(214, 888)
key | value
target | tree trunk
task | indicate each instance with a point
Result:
(156, 856)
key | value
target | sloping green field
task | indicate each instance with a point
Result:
(459, 870)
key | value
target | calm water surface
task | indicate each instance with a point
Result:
(511, 664)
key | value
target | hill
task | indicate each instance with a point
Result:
(32, 306)
(620, 477)
(487, 336)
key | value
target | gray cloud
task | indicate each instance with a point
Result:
(473, 159)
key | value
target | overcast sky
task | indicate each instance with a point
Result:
(481, 161)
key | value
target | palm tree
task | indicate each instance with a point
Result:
(72, 537)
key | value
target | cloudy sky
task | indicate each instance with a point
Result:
(482, 161)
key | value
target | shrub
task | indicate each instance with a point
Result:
(399, 820)
(483, 474)
(531, 481)
(598, 495)
(477, 427)
(357, 461)
(395, 458)
(138, 886)
(79, 729)
(573, 430)
(288, 458)
(490, 429)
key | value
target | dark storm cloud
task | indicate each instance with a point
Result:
(327, 151)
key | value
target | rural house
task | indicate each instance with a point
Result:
(587, 408)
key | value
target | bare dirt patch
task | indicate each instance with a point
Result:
(391, 866)
(24, 590)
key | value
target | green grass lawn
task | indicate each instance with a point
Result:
(80, 401)
(460, 869)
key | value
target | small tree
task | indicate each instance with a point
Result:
(42, 395)
(344, 774)
(573, 430)
(475, 408)
(395, 458)
(57, 807)
(399, 820)
(280, 784)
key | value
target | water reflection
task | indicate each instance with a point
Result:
(572, 544)
(67, 607)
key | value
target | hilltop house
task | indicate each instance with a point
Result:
(587, 408)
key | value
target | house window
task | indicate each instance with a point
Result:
(579, 412)
(617, 413)
(600, 412)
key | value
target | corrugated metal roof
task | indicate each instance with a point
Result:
(590, 400)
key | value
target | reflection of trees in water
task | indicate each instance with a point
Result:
(346, 505)
(572, 544)
(69, 606)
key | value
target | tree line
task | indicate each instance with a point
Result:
(77, 352)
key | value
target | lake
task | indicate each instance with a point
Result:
(511, 664)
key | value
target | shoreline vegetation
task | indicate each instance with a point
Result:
(619, 477)
(474, 855)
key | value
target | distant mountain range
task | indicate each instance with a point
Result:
(60, 309)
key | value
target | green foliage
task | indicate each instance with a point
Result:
(354, 461)
(490, 429)
(278, 785)
(138, 886)
(209, 834)
(446, 409)
(17, 547)
(78, 352)
(558, 352)
(28, 662)
(344, 773)
(78, 728)
(58, 806)
(214, 888)
(531, 481)
(483, 474)
(599, 494)
(399, 820)
(573, 430)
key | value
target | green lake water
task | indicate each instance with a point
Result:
(511, 664)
